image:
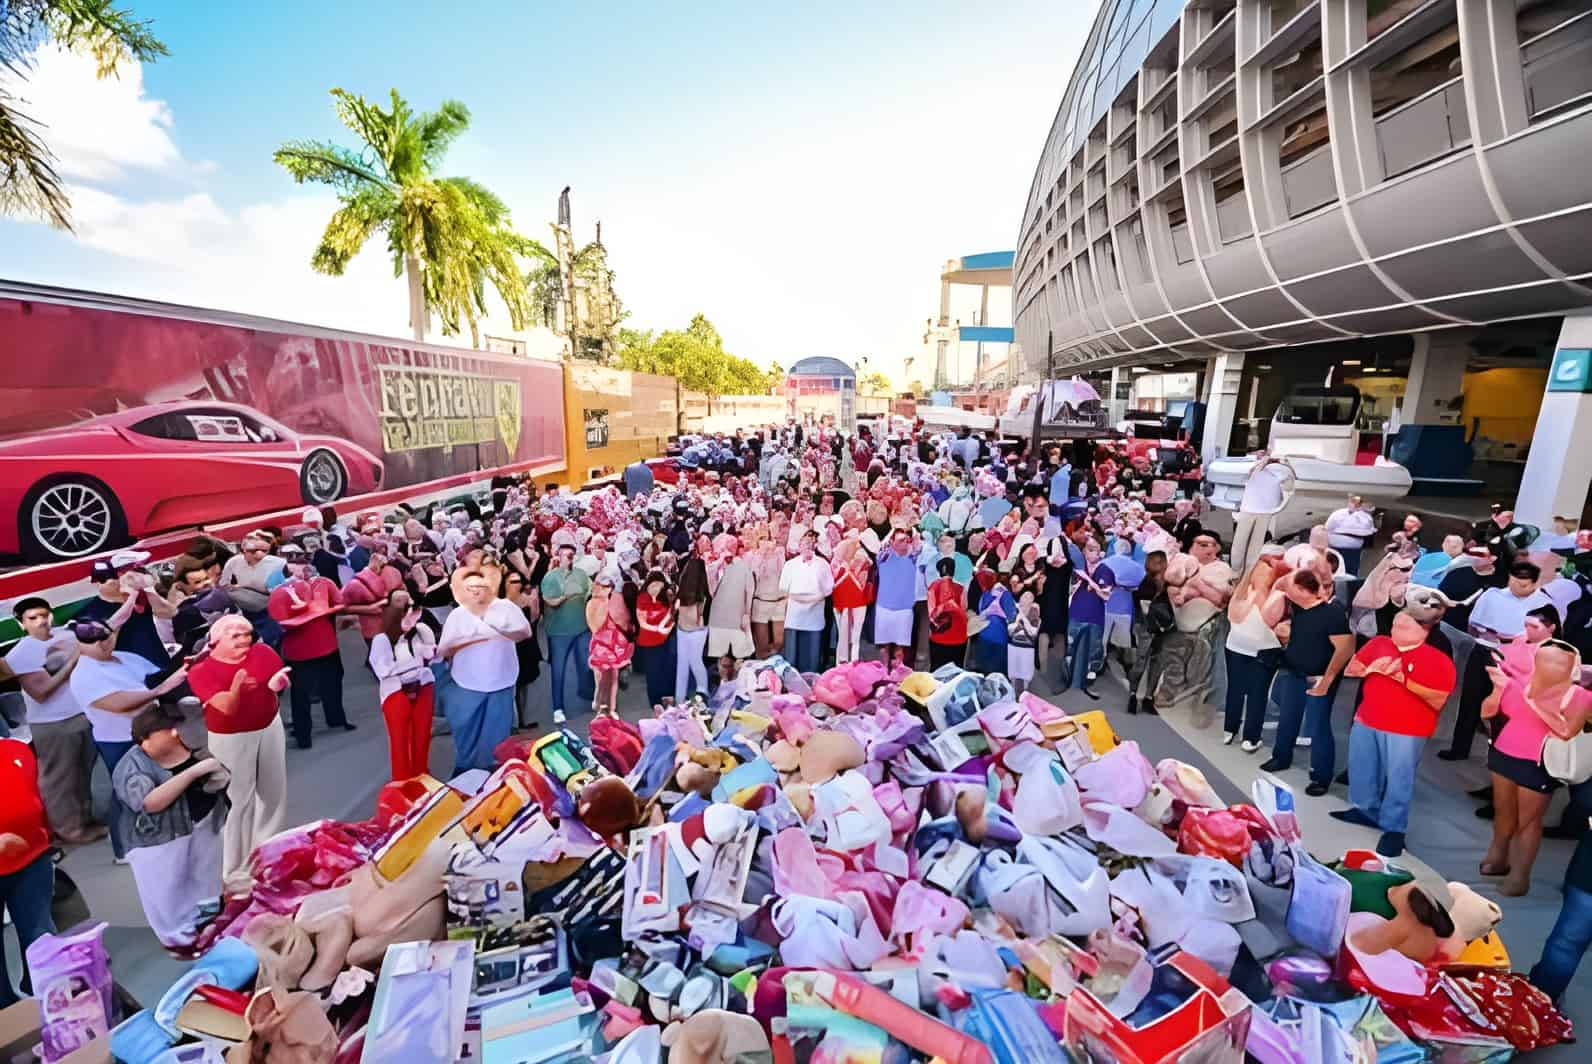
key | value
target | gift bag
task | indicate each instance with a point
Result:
(1318, 909)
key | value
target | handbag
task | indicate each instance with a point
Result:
(1569, 760)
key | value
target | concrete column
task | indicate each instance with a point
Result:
(1115, 409)
(1223, 375)
(1437, 375)
(1559, 466)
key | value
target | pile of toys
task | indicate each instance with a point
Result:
(854, 866)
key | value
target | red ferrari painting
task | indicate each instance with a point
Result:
(98, 483)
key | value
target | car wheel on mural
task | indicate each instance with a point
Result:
(68, 517)
(94, 485)
(322, 480)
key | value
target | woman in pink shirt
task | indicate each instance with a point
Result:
(1548, 702)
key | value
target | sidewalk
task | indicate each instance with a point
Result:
(339, 778)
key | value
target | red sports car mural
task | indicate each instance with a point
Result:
(96, 484)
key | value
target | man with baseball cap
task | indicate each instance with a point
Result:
(121, 579)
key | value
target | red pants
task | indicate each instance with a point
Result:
(409, 731)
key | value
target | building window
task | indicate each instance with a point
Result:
(1305, 159)
(1232, 207)
(1555, 54)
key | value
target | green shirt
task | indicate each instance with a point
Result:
(569, 618)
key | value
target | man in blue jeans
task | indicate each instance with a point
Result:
(1572, 931)
(1407, 680)
(27, 875)
(565, 590)
(1319, 646)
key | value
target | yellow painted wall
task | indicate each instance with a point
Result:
(1506, 400)
(643, 411)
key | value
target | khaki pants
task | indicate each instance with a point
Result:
(65, 752)
(1249, 536)
(257, 762)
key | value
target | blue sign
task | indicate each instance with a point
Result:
(1572, 370)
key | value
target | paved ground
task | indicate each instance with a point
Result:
(340, 776)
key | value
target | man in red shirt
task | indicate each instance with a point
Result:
(238, 681)
(1407, 680)
(304, 605)
(27, 875)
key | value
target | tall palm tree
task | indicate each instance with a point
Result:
(448, 236)
(29, 185)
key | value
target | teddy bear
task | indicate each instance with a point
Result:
(1419, 926)
(1474, 917)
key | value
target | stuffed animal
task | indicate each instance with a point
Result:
(715, 1036)
(608, 806)
(827, 754)
(1419, 925)
(1473, 916)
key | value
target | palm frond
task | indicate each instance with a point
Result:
(325, 163)
(437, 130)
(375, 127)
(110, 35)
(29, 185)
(362, 213)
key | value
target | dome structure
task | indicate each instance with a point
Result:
(822, 366)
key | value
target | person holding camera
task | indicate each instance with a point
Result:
(113, 686)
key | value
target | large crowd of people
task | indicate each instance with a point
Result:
(1051, 566)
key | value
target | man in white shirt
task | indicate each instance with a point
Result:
(1266, 492)
(807, 581)
(1349, 529)
(478, 642)
(63, 743)
(112, 687)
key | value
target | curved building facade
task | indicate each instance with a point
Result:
(1233, 175)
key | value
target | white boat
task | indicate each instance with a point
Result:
(1071, 408)
(952, 418)
(1315, 432)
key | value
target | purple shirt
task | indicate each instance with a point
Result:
(1087, 607)
(898, 574)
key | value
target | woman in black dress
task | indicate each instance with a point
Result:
(1054, 596)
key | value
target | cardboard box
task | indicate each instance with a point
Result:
(19, 1033)
(1209, 1020)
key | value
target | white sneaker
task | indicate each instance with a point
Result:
(119, 861)
(1250, 746)
(1228, 737)
(1303, 740)
(558, 717)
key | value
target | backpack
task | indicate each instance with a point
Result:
(616, 744)
(1159, 618)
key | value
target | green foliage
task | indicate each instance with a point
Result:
(874, 382)
(694, 356)
(455, 231)
(29, 185)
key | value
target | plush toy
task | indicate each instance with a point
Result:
(1419, 925)
(715, 1036)
(608, 806)
(1473, 915)
(829, 753)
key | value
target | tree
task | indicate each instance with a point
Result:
(918, 388)
(874, 383)
(449, 236)
(774, 377)
(29, 185)
(694, 356)
(596, 321)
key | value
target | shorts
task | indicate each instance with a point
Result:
(767, 610)
(1019, 663)
(892, 627)
(723, 641)
(1528, 774)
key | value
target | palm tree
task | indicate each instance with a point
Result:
(29, 185)
(448, 236)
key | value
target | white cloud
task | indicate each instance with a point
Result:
(99, 128)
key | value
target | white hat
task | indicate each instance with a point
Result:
(124, 559)
(310, 516)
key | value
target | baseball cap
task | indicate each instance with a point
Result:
(310, 516)
(122, 560)
(90, 631)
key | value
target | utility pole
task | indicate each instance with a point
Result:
(1039, 397)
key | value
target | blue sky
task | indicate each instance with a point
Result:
(798, 173)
